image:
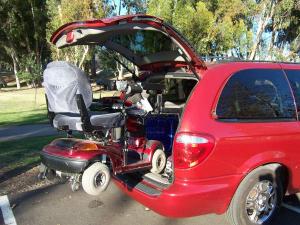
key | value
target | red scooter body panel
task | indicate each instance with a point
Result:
(66, 149)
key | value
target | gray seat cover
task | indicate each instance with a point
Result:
(62, 81)
(101, 119)
(68, 122)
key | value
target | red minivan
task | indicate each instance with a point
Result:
(235, 149)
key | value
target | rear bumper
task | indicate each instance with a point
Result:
(186, 199)
(63, 164)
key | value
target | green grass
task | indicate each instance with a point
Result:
(21, 153)
(18, 107)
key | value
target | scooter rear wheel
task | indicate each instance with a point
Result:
(159, 161)
(95, 179)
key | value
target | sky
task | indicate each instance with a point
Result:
(123, 10)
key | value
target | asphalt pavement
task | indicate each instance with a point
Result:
(10, 133)
(58, 205)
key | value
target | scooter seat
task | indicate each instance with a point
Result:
(106, 119)
(103, 119)
(67, 121)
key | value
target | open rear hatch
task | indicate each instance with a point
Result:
(146, 41)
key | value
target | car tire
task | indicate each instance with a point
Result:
(159, 161)
(258, 197)
(95, 179)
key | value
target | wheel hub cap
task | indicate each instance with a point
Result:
(99, 179)
(261, 202)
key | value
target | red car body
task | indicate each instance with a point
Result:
(210, 186)
(230, 149)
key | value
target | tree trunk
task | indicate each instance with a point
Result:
(12, 52)
(120, 69)
(272, 41)
(86, 50)
(35, 94)
(36, 40)
(120, 5)
(60, 13)
(93, 65)
(261, 27)
(76, 55)
(16, 72)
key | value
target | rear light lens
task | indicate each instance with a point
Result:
(191, 149)
(70, 37)
(85, 146)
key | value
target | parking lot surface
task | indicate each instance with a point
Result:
(58, 205)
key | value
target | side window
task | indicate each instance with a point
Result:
(256, 94)
(294, 79)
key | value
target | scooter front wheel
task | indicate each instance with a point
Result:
(95, 179)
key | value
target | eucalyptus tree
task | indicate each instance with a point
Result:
(214, 27)
(22, 32)
(64, 11)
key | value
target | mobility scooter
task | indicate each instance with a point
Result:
(117, 136)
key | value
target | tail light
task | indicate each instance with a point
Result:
(85, 146)
(191, 149)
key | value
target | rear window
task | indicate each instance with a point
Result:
(176, 90)
(145, 42)
(256, 94)
(294, 79)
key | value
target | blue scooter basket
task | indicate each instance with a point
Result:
(162, 128)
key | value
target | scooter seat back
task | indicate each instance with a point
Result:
(62, 82)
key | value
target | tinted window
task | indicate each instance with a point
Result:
(256, 94)
(145, 42)
(176, 90)
(294, 79)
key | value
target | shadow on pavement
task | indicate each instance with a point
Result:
(287, 217)
(15, 89)
(35, 118)
(11, 133)
(116, 203)
(17, 171)
(23, 197)
(168, 221)
(292, 200)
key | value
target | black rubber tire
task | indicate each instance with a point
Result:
(89, 176)
(159, 161)
(236, 213)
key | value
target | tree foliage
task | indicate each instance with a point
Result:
(22, 33)
(247, 29)
(64, 11)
